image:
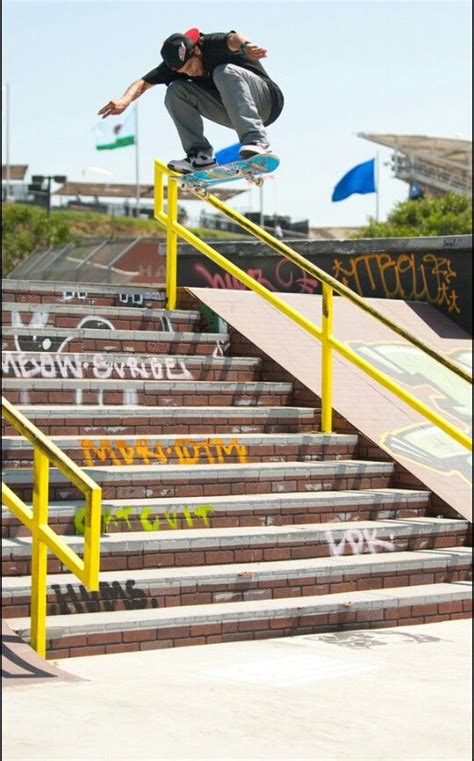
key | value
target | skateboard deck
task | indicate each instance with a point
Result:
(248, 169)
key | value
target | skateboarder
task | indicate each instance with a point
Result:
(217, 76)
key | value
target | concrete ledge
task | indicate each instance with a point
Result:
(87, 623)
(216, 473)
(252, 573)
(219, 538)
(117, 335)
(118, 311)
(337, 499)
(121, 411)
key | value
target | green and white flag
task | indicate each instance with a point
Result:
(115, 132)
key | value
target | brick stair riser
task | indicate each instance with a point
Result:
(123, 394)
(98, 424)
(132, 595)
(16, 564)
(209, 485)
(201, 346)
(157, 519)
(100, 643)
(138, 321)
(181, 451)
(124, 367)
(87, 297)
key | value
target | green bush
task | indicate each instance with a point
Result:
(26, 229)
(450, 214)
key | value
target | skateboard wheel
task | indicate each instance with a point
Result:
(259, 182)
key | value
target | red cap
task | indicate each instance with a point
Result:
(193, 34)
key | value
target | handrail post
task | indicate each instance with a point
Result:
(39, 553)
(326, 359)
(158, 199)
(171, 244)
(92, 538)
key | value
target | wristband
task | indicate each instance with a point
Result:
(243, 46)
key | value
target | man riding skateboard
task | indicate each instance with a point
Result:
(217, 76)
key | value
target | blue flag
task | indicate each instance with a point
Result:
(360, 179)
(226, 155)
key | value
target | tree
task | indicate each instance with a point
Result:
(448, 215)
(26, 229)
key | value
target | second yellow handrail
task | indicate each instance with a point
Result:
(36, 520)
(329, 343)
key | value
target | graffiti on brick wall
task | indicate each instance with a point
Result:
(100, 366)
(127, 299)
(360, 640)
(414, 276)
(111, 596)
(401, 276)
(424, 443)
(222, 347)
(183, 451)
(358, 542)
(140, 299)
(149, 518)
(74, 295)
(279, 276)
(27, 338)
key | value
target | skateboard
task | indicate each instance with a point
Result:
(248, 169)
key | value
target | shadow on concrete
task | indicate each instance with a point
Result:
(21, 665)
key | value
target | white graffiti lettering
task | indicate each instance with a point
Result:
(221, 349)
(359, 541)
(47, 365)
(70, 295)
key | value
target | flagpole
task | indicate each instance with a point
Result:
(377, 182)
(7, 140)
(137, 181)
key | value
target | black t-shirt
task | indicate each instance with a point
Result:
(215, 52)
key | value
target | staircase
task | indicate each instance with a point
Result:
(226, 514)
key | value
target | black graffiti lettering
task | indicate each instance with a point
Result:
(138, 599)
(65, 599)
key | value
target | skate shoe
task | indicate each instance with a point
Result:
(193, 162)
(254, 149)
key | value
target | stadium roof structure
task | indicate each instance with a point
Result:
(16, 171)
(436, 164)
(122, 190)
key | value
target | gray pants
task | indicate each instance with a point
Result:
(246, 105)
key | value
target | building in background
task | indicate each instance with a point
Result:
(432, 166)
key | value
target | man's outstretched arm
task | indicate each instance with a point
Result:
(118, 106)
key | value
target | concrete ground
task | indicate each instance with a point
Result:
(389, 694)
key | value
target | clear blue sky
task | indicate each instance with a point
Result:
(344, 67)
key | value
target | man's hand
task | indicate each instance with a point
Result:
(114, 107)
(252, 50)
(238, 43)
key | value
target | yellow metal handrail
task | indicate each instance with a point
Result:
(329, 284)
(36, 520)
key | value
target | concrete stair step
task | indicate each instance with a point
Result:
(133, 419)
(190, 450)
(134, 482)
(180, 548)
(50, 292)
(174, 393)
(79, 634)
(157, 515)
(163, 588)
(27, 317)
(17, 364)
(99, 340)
